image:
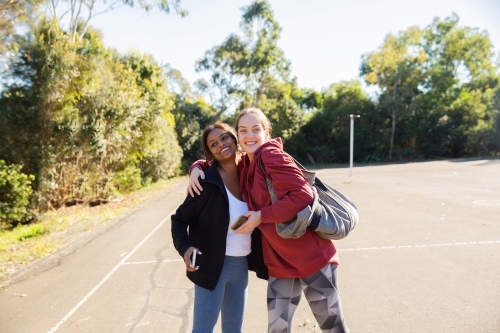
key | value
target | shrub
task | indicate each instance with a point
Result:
(15, 194)
(128, 179)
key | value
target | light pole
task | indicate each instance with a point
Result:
(352, 116)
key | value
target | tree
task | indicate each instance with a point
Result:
(191, 117)
(457, 109)
(325, 137)
(176, 83)
(191, 114)
(251, 70)
(436, 86)
(397, 70)
(227, 63)
(494, 134)
(280, 105)
(84, 120)
(13, 13)
(156, 150)
(245, 68)
(266, 60)
(82, 11)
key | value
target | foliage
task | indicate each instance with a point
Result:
(309, 99)
(15, 193)
(266, 60)
(457, 110)
(325, 137)
(30, 232)
(128, 179)
(191, 117)
(493, 142)
(82, 11)
(75, 113)
(437, 89)
(397, 69)
(226, 63)
(251, 70)
(156, 148)
(89, 123)
(12, 14)
(280, 105)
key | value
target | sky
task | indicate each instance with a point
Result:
(323, 39)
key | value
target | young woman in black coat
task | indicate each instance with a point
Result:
(202, 224)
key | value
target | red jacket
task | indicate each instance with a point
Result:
(284, 258)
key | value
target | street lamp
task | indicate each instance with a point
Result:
(352, 116)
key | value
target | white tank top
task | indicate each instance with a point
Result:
(237, 245)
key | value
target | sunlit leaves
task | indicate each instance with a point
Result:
(78, 114)
(441, 79)
(245, 68)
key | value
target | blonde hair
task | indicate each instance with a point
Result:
(266, 124)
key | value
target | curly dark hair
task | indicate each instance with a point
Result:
(209, 157)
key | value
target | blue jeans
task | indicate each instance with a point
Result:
(229, 297)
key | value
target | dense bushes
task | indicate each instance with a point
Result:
(90, 123)
(86, 121)
(15, 194)
(325, 137)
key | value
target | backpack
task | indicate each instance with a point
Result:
(332, 215)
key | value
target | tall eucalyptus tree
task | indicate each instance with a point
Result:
(397, 70)
(251, 70)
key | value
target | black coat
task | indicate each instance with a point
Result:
(207, 217)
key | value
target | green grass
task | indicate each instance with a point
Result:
(28, 243)
(29, 231)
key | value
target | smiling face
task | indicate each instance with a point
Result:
(251, 133)
(221, 145)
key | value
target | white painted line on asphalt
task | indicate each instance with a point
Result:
(109, 275)
(149, 262)
(486, 202)
(415, 246)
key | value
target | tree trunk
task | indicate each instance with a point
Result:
(392, 133)
(393, 114)
(219, 114)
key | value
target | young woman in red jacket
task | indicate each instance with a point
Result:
(308, 263)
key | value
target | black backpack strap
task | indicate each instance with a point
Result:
(300, 166)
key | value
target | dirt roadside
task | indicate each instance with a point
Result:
(69, 228)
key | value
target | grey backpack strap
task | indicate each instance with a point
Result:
(262, 167)
(269, 182)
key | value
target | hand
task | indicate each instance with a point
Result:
(194, 185)
(254, 219)
(187, 258)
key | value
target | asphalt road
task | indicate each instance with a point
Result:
(424, 258)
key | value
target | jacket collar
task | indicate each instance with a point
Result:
(212, 175)
(276, 143)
